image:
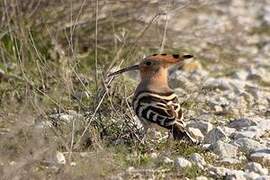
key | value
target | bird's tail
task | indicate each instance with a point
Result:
(180, 132)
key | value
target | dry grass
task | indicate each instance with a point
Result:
(50, 53)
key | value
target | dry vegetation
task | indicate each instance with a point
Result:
(54, 58)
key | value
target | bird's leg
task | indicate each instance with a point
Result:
(188, 135)
(170, 134)
(145, 130)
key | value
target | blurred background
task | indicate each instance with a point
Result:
(57, 102)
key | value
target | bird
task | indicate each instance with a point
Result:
(154, 102)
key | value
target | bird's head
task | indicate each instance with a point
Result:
(154, 64)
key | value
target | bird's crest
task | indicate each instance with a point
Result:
(170, 58)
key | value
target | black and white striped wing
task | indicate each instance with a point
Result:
(162, 109)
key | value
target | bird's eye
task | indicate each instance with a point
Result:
(148, 63)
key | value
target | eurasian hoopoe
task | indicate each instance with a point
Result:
(154, 102)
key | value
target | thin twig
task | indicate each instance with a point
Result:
(72, 139)
(96, 44)
(164, 37)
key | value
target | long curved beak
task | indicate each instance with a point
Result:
(130, 68)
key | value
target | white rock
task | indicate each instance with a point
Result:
(167, 160)
(238, 86)
(228, 131)
(251, 175)
(225, 172)
(235, 175)
(257, 168)
(266, 50)
(247, 145)
(264, 124)
(73, 163)
(12, 163)
(225, 84)
(218, 101)
(244, 134)
(201, 178)
(218, 108)
(258, 73)
(60, 158)
(251, 132)
(65, 117)
(261, 156)
(181, 163)
(228, 160)
(221, 83)
(130, 169)
(198, 160)
(240, 74)
(85, 154)
(40, 124)
(216, 171)
(225, 150)
(206, 146)
(153, 155)
(204, 126)
(241, 123)
(196, 133)
(214, 135)
(116, 177)
(263, 178)
(2, 73)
